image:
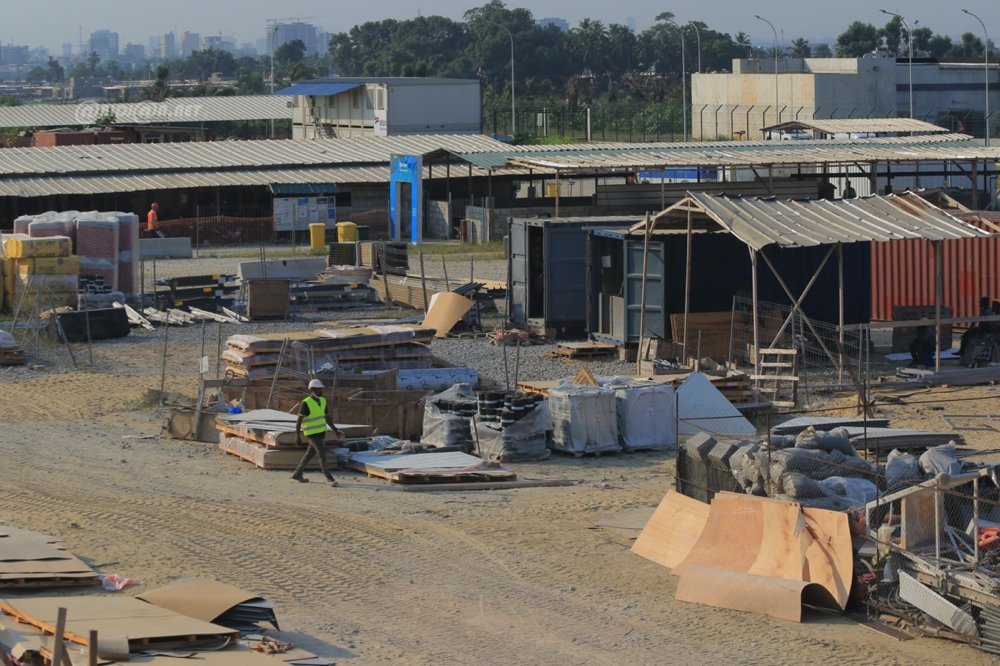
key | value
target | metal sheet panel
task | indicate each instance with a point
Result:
(655, 320)
(903, 274)
(517, 267)
(565, 274)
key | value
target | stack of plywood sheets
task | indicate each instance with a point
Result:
(266, 438)
(346, 349)
(752, 553)
(30, 560)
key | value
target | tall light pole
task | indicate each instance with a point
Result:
(697, 34)
(684, 103)
(986, 72)
(909, 39)
(274, 32)
(777, 108)
(513, 104)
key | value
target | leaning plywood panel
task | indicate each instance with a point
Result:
(777, 597)
(672, 531)
(774, 538)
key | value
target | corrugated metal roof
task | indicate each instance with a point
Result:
(318, 88)
(762, 222)
(171, 111)
(641, 156)
(230, 154)
(860, 125)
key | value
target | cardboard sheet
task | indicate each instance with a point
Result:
(32, 560)
(123, 623)
(445, 310)
(672, 531)
(198, 598)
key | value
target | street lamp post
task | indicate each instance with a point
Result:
(513, 104)
(684, 103)
(697, 34)
(274, 33)
(909, 39)
(986, 73)
(777, 107)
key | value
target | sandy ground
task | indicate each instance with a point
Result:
(368, 574)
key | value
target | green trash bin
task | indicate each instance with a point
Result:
(364, 232)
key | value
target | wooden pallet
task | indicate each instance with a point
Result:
(581, 350)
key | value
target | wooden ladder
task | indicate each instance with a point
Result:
(777, 378)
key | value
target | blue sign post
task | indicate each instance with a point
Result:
(406, 169)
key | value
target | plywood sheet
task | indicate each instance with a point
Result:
(446, 308)
(776, 597)
(672, 531)
(774, 538)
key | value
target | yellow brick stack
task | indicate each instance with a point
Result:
(39, 269)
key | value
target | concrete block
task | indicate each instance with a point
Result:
(165, 248)
(720, 454)
(305, 268)
(698, 445)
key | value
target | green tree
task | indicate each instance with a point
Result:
(9, 100)
(801, 48)
(970, 47)
(93, 60)
(293, 51)
(822, 51)
(894, 36)
(858, 40)
(159, 90)
(54, 71)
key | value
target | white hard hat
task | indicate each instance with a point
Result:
(315, 384)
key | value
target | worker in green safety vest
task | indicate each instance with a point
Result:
(314, 417)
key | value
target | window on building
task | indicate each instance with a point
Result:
(380, 99)
(356, 98)
(343, 199)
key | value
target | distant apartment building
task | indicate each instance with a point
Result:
(280, 33)
(105, 44)
(11, 54)
(219, 43)
(562, 24)
(134, 53)
(190, 42)
(168, 46)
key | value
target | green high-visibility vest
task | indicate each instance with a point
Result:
(314, 423)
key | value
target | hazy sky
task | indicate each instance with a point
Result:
(52, 22)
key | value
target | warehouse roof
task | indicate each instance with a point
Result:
(762, 222)
(171, 111)
(859, 126)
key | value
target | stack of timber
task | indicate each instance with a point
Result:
(344, 349)
(409, 290)
(708, 333)
(29, 560)
(584, 350)
(267, 438)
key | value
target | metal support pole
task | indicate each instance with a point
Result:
(937, 305)
(642, 296)
(840, 312)
(754, 314)
(687, 284)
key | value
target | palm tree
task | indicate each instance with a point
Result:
(801, 48)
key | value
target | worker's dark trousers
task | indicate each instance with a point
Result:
(316, 447)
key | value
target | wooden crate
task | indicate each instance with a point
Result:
(268, 299)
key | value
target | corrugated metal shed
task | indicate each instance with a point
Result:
(762, 222)
(171, 111)
(859, 126)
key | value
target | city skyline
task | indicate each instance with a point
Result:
(33, 26)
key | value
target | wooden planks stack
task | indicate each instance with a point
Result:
(401, 346)
(708, 333)
(584, 350)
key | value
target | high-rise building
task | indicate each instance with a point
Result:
(219, 43)
(105, 44)
(168, 46)
(134, 53)
(11, 54)
(190, 42)
(560, 23)
(280, 33)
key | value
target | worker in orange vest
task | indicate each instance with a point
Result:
(153, 221)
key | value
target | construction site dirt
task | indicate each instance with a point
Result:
(365, 573)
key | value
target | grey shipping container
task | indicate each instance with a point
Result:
(547, 271)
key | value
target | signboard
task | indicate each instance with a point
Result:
(406, 213)
(296, 214)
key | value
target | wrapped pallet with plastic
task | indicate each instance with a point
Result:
(40, 273)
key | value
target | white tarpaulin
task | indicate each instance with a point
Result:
(702, 408)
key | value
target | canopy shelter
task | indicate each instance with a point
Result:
(759, 223)
(857, 127)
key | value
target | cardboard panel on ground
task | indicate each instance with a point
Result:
(30, 560)
(124, 624)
